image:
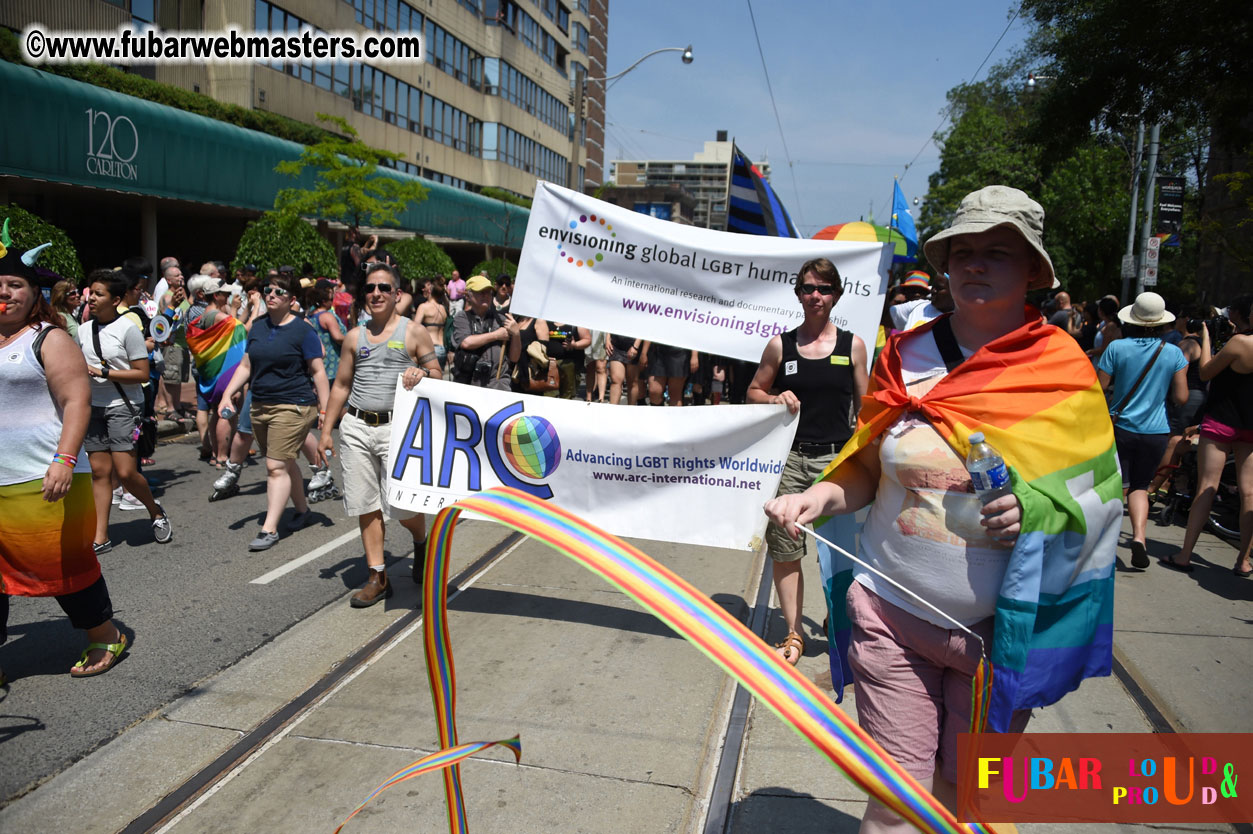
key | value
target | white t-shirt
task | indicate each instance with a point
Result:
(122, 342)
(923, 529)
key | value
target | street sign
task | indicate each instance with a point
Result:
(1169, 204)
(1128, 266)
(1150, 276)
(1152, 251)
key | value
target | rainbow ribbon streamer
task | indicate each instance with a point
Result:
(694, 617)
(436, 761)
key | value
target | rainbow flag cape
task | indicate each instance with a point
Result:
(217, 352)
(1036, 398)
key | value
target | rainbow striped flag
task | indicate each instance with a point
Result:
(217, 352)
(1036, 398)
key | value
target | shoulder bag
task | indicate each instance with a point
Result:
(145, 435)
(1117, 410)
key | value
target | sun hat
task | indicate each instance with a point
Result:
(917, 278)
(478, 283)
(987, 208)
(1149, 310)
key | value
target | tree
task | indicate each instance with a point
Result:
(28, 230)
(494, 267)
(347, 183)
(272, 241)
(419, 258)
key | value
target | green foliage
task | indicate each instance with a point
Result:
(1117, 61)
(27, 231)
(348, 185)
(419, 258)
(494, 267)
(505, 196)
(111, 78)
(270, 242)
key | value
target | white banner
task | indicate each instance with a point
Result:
(688, 475)
(589, 263)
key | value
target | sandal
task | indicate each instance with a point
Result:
(792, 641)
(1169, 562)
(113, 652)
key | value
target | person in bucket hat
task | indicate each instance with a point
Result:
(1141, 370)
(989, 208)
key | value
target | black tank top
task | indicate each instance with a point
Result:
(825, 388)
(1231, 399)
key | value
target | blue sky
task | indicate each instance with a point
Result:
(860, 88)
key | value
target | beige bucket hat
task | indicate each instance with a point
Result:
(1148, 310)
(987, 208)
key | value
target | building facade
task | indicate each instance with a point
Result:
(706, 176)
(490, 105)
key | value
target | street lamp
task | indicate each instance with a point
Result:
(1033, 80)
(580, 91)
(686, 58)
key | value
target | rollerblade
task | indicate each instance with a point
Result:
(227, 483)
(322, 485)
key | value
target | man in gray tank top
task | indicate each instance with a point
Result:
(374, 354)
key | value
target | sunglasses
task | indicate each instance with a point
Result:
(279, 291)
(369, 288)
(822, 289)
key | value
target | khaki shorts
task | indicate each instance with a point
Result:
(281, 428)
(363, 456)
(799, 473)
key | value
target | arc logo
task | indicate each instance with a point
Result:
(522, 450)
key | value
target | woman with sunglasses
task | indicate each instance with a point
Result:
(823, 368)
(374, 353)
(65, 299)
(283, 366)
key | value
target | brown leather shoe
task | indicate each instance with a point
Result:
(376, 589)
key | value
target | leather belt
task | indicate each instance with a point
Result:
(813, 449)
(371, 418)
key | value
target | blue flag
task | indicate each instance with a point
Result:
(903, 222)
(753, 208)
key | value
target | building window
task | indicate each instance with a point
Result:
(580, 38)
(445, 52)
(503, 144)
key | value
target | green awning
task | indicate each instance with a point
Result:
(58, 129)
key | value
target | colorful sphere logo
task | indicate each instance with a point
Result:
(591, 260)
(532, 447)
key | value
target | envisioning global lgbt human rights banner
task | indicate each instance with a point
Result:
(684, 475)
(594, 264)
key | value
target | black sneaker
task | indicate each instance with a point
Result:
(102, 548)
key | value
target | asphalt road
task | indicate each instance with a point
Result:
(190, 609)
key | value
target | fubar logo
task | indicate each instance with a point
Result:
(515, 444)
(112, 145)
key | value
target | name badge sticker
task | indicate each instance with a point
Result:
(789, 367)
(839, 360)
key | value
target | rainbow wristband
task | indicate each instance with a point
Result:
(69, 460)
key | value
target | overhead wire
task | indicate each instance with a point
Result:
(948, 111)
(786, 153)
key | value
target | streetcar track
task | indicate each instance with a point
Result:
(205, 781)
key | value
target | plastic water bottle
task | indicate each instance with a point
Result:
(987, 469)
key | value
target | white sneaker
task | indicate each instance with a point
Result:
(130, 502)
(117, 496)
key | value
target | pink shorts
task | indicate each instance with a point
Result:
(912, 682)
(1223, 433)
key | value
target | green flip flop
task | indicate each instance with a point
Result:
(114, 651)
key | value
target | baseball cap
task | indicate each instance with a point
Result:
(478, 283)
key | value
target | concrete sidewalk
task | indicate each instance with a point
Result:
(621, 721)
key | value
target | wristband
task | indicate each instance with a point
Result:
(69, 460)
(104, 371)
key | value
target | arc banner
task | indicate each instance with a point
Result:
(685, 475)
(594, 264)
